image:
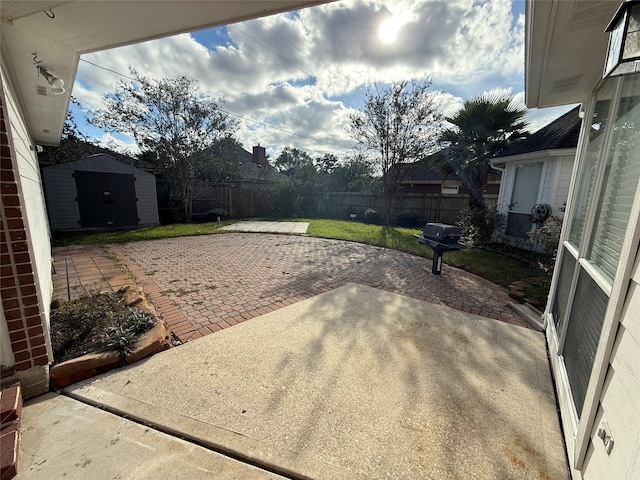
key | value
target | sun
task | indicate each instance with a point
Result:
(388, 30)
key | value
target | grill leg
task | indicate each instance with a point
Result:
(436, 267)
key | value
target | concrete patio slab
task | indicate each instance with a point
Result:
(268, 227)
(356, 383)
(64, 438)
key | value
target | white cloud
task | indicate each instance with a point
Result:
(121, 144)
(540, 117)
(295, 71)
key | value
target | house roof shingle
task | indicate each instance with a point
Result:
(561, 133)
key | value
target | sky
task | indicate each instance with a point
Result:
(292, 79)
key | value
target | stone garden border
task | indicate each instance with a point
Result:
(151, 342)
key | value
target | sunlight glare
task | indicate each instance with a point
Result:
(388, 31)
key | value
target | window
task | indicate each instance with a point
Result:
(620, 181)
(606, 187)
(590, 164)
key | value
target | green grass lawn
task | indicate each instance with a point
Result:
(493, 266)
(145, 233)
(490, 265)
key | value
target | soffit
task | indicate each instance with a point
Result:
(565, 48)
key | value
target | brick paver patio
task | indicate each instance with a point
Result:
(203, 284)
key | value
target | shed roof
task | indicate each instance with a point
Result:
(560, 134)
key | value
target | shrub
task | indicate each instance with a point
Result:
(373, 217)
(478, 225)
(287, 200)
(547, 235)
(407, 220)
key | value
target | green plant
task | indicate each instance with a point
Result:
(77, 326)
(479, 224)
(372, 217)
(547, 235)
(287, 200)
(407, 220)
(129, 326)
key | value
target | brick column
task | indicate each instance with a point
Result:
(20, 300)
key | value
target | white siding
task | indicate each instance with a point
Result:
(565, 168)
(30, 185)
(547, 182)
(620, 399)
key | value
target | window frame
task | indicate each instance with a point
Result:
(581, 426)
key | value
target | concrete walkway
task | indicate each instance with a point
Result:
(268, 227)
(354, 383)
(64, 438)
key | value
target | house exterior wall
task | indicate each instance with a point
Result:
(554, 184)
(60, 190)
(553, 188)
(619, 403)
(611, 400)
(25, 271)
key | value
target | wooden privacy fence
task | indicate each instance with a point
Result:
(426, 207)
(221, 199)
(213, 199)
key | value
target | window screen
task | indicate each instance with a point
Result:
(619, 184)
(589, 169)
(583, 334)
(561, 298)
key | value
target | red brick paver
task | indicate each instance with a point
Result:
(203, 284)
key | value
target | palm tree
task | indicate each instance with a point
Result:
(486, 126)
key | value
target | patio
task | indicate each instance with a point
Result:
(320, 377)
(355, 383)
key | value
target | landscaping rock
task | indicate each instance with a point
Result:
(91, 362)
(155, 340)
(133, 296)
(533, 302)
(516, 295)
(57, 303)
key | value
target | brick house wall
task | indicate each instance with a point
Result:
(21, 307)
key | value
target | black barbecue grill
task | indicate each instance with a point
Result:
(441, 238)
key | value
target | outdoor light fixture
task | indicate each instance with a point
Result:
(56, 83)
(623, 54)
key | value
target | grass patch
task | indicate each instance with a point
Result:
(492, 266)
(145, 233)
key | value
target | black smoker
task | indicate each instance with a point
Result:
(441, 238)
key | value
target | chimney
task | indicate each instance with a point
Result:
(259, 156)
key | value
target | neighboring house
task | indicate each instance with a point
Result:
(32, 113)
(423, 177)
(537, 171)
(593, 313)
(256, 173)
(98, 192)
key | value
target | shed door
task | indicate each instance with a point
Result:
(525, 195)
(106, 199)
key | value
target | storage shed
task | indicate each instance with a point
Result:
(99, 192)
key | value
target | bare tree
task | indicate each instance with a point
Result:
(168, 117)
(399, 124)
